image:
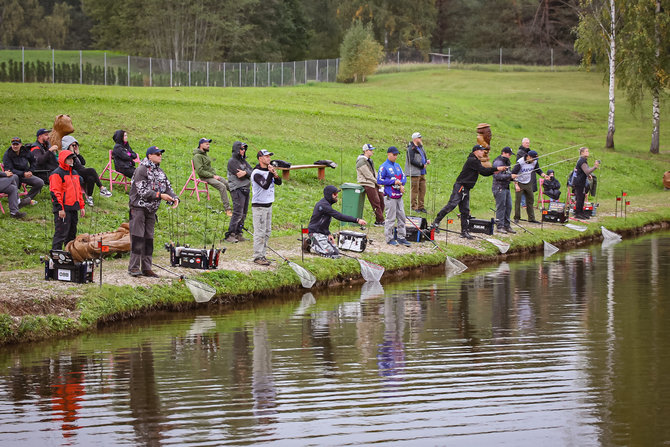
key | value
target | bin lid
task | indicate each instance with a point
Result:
(351, 186)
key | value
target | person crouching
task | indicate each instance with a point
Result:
(67, 200)
(323, 242)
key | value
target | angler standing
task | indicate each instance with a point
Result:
(500, 188)
(67, 200)
(239, 180)
(391, 176)
(415, 168)
(148, 187)
(466, 180)
(524, 185)
(264, 177)
(582, 174)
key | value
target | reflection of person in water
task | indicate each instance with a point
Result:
(67, 393)
(391, 354)
(263, 387)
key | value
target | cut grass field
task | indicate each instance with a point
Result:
(331, 121)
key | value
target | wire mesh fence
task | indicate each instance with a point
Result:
(102, 68)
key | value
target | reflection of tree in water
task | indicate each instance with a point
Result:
(263, 388)
(321, 338)
(391, 352)
(137, 365)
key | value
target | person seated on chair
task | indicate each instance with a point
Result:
(323, 243)
(46, 157)
(123, 155)
(203, 168)
(551, 186)
(9, 184)
(20, 161)
(88, 176)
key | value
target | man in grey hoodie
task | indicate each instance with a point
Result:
(239, 180)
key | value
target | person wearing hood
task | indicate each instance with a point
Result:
(323, 242)
(551, 186)
(264, 177)
(89, 176)
(203, 168)
(67, 200)
(46, 157)
(466, 180)
(415, 168)
(366, 176)
(148, 187)
(123, 155)
(239, 181)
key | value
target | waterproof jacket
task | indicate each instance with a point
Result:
(501, 179)
(365, 171)
(551, 184)
(238, 161)
(415, 162)
(472, 169)
(19, 163)
(123, 155)
(202, 164)
(324, 212)
(387, 175)
(582, 171)
(65, 186)
(45, 160)
(147, 185)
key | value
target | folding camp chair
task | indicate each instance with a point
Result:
(196, 181)
(115, 177)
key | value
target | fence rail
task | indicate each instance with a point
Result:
(101, 68)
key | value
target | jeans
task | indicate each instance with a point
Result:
(240, 198)
(503, 206)
(460, 195)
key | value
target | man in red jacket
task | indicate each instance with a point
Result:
(67, 200)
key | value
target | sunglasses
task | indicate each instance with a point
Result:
(16, 144)
(75, 144)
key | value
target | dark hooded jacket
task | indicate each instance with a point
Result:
(122, 154)
(238, 161)
(324, 212)
(65, 186)
(471, 171)
(45, 160)
(19, 163)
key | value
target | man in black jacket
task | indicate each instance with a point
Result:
(500, 188)
(46, 158)
(551, 186)
(20, 161)
(460, 194)
(323, 242)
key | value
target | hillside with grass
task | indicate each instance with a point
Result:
(331, 121)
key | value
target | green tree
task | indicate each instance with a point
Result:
(360, 54)
(57, 25)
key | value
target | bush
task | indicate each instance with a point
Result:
(360, 54)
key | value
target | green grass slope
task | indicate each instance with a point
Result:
(330, 121)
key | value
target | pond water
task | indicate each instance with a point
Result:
(569, 350)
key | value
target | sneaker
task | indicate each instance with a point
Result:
(135, 273)
(392, 242)
(231, 238)
(89, 200)
(516, 221)
(261, 261)
(241, 238)
(510, 231)
(501, 230)
(534, 221)
(26, 201)
(150, 274)
(466, 235)
(379, 224)
(105, 192)
(18, 215)
(422, 211)
(404, 242)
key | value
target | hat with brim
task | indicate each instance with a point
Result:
(263, 152)
(392, 150)
(154, 150)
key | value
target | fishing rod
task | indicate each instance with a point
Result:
(527, 231)
(560, 150)
(555, 163)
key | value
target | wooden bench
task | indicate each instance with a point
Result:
(286, 172)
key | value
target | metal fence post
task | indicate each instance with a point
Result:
(282, 74)
(500, 58)
(317, 70)
(189, 73)
(23, 65)
(53, 66)
(240, 74)
(293, 72)
(552, 59)
(449, 59)
(337, 67)
(81, 69)
(305, 72)
(129, 71)
(105, 67)
(398, 57)
(150, 74)
(208, 74)
(170, 73)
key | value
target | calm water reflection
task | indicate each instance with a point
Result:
(571, 350)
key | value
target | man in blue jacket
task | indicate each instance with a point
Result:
(391, 176)
(323, 242)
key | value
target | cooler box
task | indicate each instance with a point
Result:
(353, 199)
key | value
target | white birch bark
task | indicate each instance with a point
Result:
(612, 67)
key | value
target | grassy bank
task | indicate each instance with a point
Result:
(321, 121)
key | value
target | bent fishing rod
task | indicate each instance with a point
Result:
(560, 150)
(555, 163)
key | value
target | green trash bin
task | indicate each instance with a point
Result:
(353, 199)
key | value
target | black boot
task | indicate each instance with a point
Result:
(466, 235)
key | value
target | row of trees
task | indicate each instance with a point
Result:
(274, 30)
(628, 40)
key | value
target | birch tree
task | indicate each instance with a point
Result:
(597, 30)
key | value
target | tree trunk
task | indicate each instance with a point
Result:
(612, 62)
(656, 103)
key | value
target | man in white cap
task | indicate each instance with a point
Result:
(203, 167)
(264, 177)
(415, 169)
(366, 176)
